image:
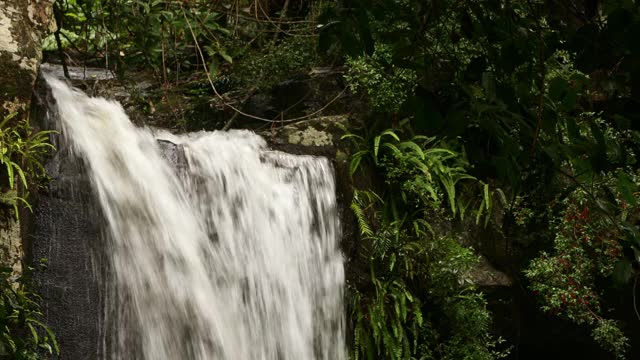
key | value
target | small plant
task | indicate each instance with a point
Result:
(425, 176)
(21, 151)
(419, 304)
(153, 33)
(588, 248)
(607, 334)
(386, 85)
(387, 324)
(24, 336)
(289, 57)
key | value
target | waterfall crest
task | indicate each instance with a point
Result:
(233, 255)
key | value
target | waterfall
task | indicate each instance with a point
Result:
(233, 255)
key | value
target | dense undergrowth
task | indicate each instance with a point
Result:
(534, 97)
(23, 335)
(422, 303)
(535, 94)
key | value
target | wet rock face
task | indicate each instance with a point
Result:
(67, 235)
(64, 234)
(23, 24)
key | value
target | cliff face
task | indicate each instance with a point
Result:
(23, 25)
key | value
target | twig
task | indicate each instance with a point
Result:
(272, 22)
(264, 20)
(283, 13)
(255, 3)
(75, 46)
(227, 126)
(235, 25)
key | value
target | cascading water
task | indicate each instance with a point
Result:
(234, 256)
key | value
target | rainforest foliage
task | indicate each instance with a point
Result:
(518, 115)
(24, 336)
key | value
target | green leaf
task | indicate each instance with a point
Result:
(50, 333)
(558, 88)
(489, 85)
(413, 146)
(356, 138)
(626, 187)
(488, 201)
(20, 173)
(393, 148)
(503, 197)
(376, 147)
(7, 118)
(622, 272)
(376, 142)
(570, 100)
(24, 202)
(480, 212)
(9, 167)
(354, 164)
(225, 56)
(421, 166)
(391, 134)
(34, 333)
(574, 131)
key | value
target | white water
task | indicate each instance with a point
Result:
(235, 257)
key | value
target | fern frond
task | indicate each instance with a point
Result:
(356, 159)
(377, 139)
(363, 225)
(480, 211)
(410, 145)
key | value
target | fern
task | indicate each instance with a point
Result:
(21, 151)
(406, 255)
(394, 322)
(362, 202)
(485, 209)
(376, 142)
